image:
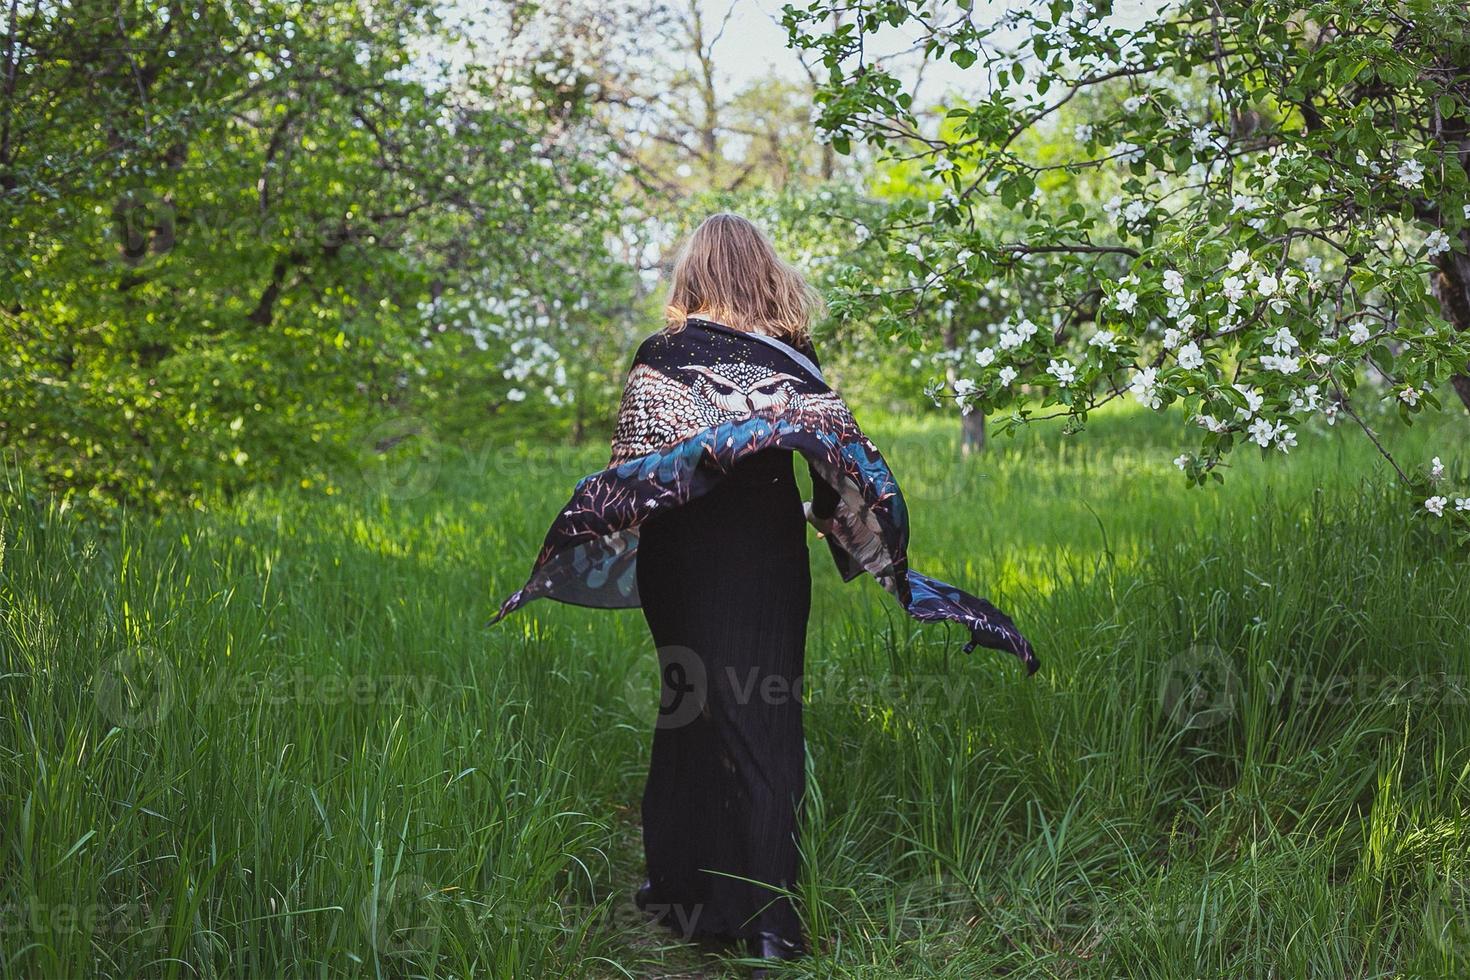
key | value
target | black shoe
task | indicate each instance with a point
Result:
(642, 895)
(769, 946)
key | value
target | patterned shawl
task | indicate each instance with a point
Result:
(697, 402)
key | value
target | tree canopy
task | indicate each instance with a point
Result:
(234, 231)
(1250, 208)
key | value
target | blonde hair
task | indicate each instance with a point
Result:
(729, 272)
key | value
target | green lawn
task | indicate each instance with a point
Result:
(328, 766)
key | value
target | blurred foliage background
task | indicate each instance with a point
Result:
(249, 243)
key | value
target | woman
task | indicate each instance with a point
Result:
(698, 520)
(725, 580)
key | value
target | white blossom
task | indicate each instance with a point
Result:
(1143, 385)
(985, 356)
(1125, 300)
(1062, 370)
(1201, 138)
(1437, 242)
(1266, 285)
(1007, 375)
(1182, 461)
(1172, 337)
(1462, 503)
(1409, 396)
(1253, 402)
(1233, 287)
(516, 395)
(1212, 423)
(1083, 133)
(1174, 282)
(1436, 468)
(1410, 173)
(1435, 505)
(965, 387)
(1359, 333)
(1306, 400)
(1239, 259)
(1190, 357)
(1282, 341)
(1105, 339)
(1130, 152)
(1262, 431)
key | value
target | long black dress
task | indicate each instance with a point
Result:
(726, 589)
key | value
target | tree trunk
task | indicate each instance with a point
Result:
(579, 423)
(1450, 283)
(972, 426)
(11, 60)
(972, 433)
(1451, 286)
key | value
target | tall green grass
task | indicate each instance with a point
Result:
(276, 739)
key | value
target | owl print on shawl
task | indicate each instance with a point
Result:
(665, 400)
(658, 410)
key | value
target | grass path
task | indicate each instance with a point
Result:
(275, 739)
